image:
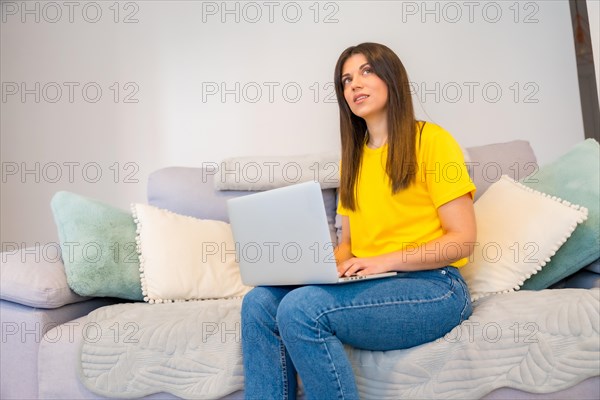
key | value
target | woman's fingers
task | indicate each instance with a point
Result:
(345, 267)
(350, 267)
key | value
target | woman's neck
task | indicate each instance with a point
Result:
(377, 133)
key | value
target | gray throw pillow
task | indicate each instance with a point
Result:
(486, 164)
(35, 277)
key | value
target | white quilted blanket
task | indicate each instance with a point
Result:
(538, 342)
(189, 349)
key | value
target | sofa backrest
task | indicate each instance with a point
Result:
(191, 191)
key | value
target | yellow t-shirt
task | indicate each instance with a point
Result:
(383, 222)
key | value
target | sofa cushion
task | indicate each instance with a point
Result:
(518, 230)
(526, 340)
(35, 277)
(486, 164)
(98, 247)
(185, 258)
(574, 177)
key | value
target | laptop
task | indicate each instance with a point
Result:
(282, 238)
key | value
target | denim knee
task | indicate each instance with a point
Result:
(296, 313)
(293, 304)
(258, 304)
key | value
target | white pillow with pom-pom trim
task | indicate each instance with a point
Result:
(185, 258)
(518, 230)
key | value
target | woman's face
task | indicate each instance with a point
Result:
(364, 91)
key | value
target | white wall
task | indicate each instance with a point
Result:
(178, 49)
(593, 11)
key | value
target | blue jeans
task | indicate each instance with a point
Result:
(289, 328)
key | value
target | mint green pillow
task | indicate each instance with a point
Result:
(574, 177)
(98, 247)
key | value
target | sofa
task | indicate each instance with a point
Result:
(539, 342)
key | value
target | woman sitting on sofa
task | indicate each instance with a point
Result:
(406, 202)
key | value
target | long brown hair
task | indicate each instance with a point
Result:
(401, 157)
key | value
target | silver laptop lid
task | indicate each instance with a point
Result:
(282, 236)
